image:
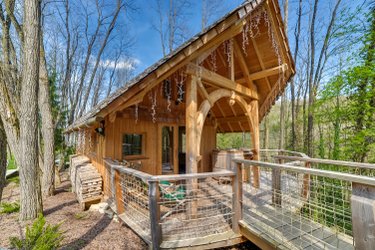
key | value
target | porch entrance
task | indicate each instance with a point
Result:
(173, 149)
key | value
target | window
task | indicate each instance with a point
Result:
(132, 144)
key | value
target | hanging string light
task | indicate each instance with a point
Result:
(228, 46)
(168, 93)
(180, 87)
(213, 61)
(79, 141)
(136, 113)
(153, 100)
(245, 38)
(90, 141)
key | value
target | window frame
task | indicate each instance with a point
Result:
(143, 146)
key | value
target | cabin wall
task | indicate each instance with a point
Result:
(113, 141)
(98, 147)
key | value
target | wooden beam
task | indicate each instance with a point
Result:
(363, 217)
(220, 81)
(191, 124)
(214, 37)
(231, 73)
(204, 92)
(260, 61)
(192, 147)
(269, 72)
(255, 141)
(243, 65)
(242, 118)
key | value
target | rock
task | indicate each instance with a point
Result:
(109, 214)
(94, 208)
(100, 207)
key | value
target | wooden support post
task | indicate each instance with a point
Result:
(175, 149)
(154, 198)
(276, 186)
(306, 183)
(255, 137)
(191, 125)
(237, 198)
(191, 140)
(119, 199)
(363, 215)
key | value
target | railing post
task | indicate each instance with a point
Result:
(237, 197)
(113, 188)
(119, 193)
(154, 198)
(306, 182)
(276, 185)
(363, 215)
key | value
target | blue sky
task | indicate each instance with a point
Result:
(147, 48)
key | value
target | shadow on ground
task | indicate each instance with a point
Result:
(89, 236)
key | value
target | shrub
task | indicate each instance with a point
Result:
(39, 237)
(8, 208)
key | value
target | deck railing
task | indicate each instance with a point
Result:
(307, 207)
(301, 203)
(172, 211)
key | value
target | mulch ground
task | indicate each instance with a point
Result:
(82, 230)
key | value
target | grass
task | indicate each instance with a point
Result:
(11, 162)
(80, 215)
(9, 208)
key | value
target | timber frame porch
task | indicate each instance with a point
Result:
(300, 203)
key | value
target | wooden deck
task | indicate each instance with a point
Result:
(285, 230)
(200, 211)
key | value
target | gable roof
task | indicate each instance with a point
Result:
(191, 48)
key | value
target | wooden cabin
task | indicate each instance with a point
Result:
(224, 79)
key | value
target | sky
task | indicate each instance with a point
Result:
(147, 48)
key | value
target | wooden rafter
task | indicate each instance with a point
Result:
(214, 79)
(209, 40)
(242, 118)
(265, 73)
(260, 61)
(243, 65)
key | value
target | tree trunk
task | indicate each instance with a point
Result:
(283, 98)
(311, 86)
(265, 133)
(3, 158)
(30, 195)
(47, 128)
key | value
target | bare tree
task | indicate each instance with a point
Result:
(211, 9)
(283, 97)
(315, 71)
(47, 127)
(30, 195)
(3, 158)
(172, 30)
(297, 32)
(19, 80)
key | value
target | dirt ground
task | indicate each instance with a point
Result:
(82, 230)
